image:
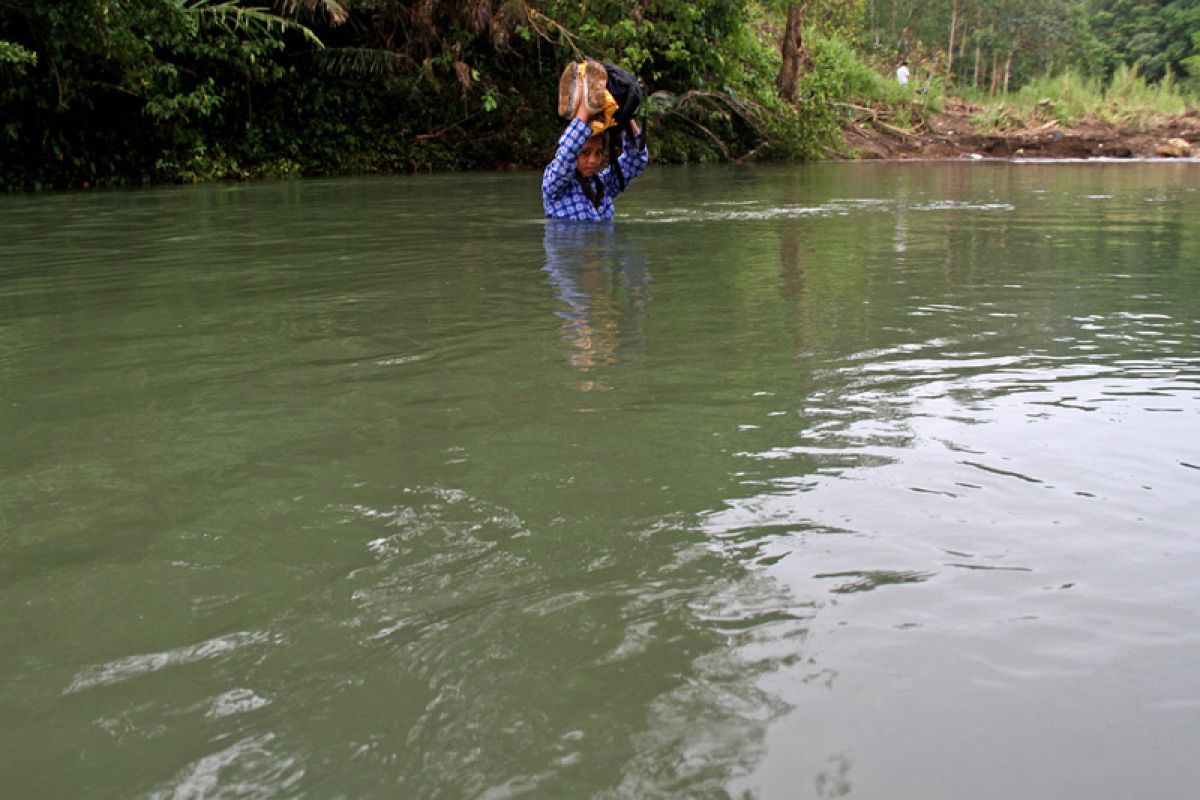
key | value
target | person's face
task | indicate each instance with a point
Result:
(591, 157)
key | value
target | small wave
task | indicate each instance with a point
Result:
(398, 361)
(742, 212)
(235, 701)
(124, 669)
(962, 205)
(1098, 160)
(257, 772)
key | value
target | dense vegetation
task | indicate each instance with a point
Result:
(1002, 44)
(131, 91)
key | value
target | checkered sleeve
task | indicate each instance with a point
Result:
(632, 162)
(560, 172)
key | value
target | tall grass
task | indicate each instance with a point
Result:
(1126, 99)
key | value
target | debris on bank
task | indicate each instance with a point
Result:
(953, 133)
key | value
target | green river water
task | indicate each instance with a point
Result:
(842, 480)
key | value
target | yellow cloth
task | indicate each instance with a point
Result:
(604, 120)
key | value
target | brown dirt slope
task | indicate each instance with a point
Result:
(952, 134)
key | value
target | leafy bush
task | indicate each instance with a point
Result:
(841, 82)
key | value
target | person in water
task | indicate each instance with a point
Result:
(574, 186)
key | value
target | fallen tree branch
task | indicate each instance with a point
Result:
(440, 132)
(748, 156)
(724, 147)
(872, 111)
(892, 129)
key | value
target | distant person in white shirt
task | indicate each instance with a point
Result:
(902, 73)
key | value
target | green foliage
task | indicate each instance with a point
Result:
(15, 56)
(127, 91)
(844, 71)
(1069, 97)
(190, 90)
(1017, 41)
(843, 19)
(1130, 94)
(837, 75)
(138, 90)
(254, 22)
(841, 82)
(1066, 97)
(675, 45)
(1153, 37)
(994, 118)
(1192, 63)
(100, 91)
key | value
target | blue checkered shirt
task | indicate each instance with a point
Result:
(563, 197)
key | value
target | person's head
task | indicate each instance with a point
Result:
(591, 157)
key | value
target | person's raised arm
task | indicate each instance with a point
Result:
(633, 159)
(556, 180)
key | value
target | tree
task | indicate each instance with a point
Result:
(792, 50)
(1017, 38)
(1152, 36)
(126, 88)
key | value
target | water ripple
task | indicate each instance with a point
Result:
(250, 767)
(130, 667)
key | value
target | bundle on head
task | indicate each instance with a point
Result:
(613, 96)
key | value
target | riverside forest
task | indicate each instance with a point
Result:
(134, 92)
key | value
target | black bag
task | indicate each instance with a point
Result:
(628, 92)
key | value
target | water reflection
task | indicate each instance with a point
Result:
(603, 280)
(867, 580)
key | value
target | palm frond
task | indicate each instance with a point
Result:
(344, 61)
(334, 10)
(233, 17)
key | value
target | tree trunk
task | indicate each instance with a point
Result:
(995, 72)
(792, 50)
(950, 49)
(1007, 67)
(975, 82)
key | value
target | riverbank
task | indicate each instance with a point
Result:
(957, 132)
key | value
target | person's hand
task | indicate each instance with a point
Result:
(580, 99)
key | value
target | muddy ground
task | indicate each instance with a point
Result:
(952, 134)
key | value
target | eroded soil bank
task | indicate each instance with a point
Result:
(953, 134)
